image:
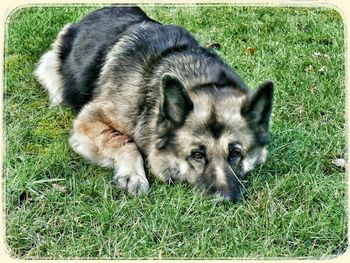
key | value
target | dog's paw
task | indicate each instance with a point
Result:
(133, 183)
(131, 177)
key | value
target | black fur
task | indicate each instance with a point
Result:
(85, 46)
(176, 103)
(214, 126)
(258, 110)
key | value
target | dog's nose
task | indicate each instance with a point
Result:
(227, 197)
(234, 196)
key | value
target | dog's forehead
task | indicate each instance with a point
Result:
(225, 105)
(215, 122)
(218, 112)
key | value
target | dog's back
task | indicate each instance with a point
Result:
(70, 69)
(118, 55)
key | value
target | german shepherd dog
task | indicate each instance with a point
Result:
(147, 91)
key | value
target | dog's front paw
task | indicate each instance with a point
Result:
(131, 177)
(133, 183)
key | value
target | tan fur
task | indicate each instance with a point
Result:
(228, 111)
(96, 136)
(104, 137)
(220, 177)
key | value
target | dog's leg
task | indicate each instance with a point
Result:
(94, 138)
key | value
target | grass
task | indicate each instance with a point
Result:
(60, 206)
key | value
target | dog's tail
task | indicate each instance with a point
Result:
(48, 69)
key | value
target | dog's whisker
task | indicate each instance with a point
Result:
(239, 181)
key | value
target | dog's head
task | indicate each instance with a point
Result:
(211, 136)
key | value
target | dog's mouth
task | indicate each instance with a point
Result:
(234, 191)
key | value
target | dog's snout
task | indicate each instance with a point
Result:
(228, 183)
(234, 195)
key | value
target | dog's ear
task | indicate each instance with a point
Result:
(176, 104)
(257, 110)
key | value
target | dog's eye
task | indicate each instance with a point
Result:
(198, 156)
(236, 151)
(235, 154)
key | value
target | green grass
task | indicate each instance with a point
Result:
(60, 206)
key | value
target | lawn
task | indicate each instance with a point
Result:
(60, 206)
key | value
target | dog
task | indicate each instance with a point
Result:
(147, 91)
